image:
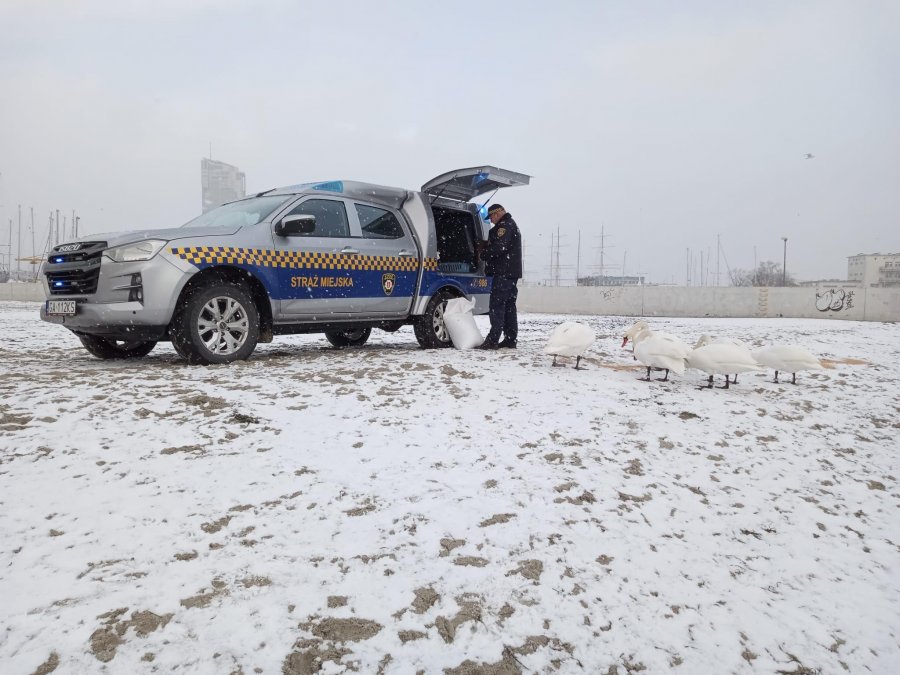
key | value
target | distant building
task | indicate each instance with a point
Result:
(220, 183)
(844, 283)
(874, 269)
(608, 280)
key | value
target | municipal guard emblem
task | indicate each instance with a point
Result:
(388, 281)
(501, 231)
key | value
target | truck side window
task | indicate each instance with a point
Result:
(378, 223)
(331, 217)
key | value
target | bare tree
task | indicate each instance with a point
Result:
(768, 273)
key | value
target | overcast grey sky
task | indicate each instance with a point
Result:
(665, 123)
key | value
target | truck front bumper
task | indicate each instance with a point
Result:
(133, 301)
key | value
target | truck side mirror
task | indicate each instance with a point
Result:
(290, 226)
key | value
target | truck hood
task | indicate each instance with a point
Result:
(169, 234)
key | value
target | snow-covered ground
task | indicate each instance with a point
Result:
(391, 509)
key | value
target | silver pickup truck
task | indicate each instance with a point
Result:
(338, 258)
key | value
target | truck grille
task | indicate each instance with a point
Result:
(74, 271)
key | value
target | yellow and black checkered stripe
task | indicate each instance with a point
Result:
(220, 255)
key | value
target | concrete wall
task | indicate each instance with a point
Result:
(21, 291)
(824, 301)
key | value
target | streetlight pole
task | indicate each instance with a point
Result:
(784, 264)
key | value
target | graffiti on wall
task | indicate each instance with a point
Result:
(834, 300)
(608, 295)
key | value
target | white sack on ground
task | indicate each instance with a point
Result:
(460, 323)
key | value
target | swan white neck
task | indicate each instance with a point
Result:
(642, 335)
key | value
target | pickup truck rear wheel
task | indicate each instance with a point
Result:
(217, 323)
(429, 328)
(104, 348)
(348, 338)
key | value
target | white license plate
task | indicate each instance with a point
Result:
(61, 307)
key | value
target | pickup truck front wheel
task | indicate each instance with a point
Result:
(348, 338)
(429, 328)
(216, 324)
(104, 348)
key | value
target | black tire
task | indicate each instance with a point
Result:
(429, 328)
(104, 348)
(178, 350)
(348, 338)
(217, 323)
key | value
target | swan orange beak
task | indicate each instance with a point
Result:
(624, 341)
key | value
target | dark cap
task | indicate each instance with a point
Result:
(494, 208)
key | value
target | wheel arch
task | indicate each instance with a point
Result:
(258, 292)
(429, 328)
(451, 286)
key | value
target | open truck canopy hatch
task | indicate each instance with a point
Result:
(466, 184)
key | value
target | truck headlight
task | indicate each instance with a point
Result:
(142, 250)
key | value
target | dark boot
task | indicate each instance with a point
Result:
(488, 345)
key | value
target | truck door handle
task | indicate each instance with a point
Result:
(350, 251)
(403, 253)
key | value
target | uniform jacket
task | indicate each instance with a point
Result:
(503, 256)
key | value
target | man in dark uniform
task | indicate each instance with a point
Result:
(503, 262)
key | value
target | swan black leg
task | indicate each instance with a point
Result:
(793, 378)
(577, 361)
(646, 379)
(709, 383)
(734, 381)
(558, 365)
(725, 386)
(776, 377)
(666, 378)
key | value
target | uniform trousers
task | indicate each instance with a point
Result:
(503, 310)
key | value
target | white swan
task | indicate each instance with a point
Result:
(787, 358)
(642, 325)
(722, 359)
(659, 350)
(705, 339)
(633, 331)
(570, 338)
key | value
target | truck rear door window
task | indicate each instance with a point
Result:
(377, 223)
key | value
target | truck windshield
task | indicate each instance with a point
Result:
(243, 213)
